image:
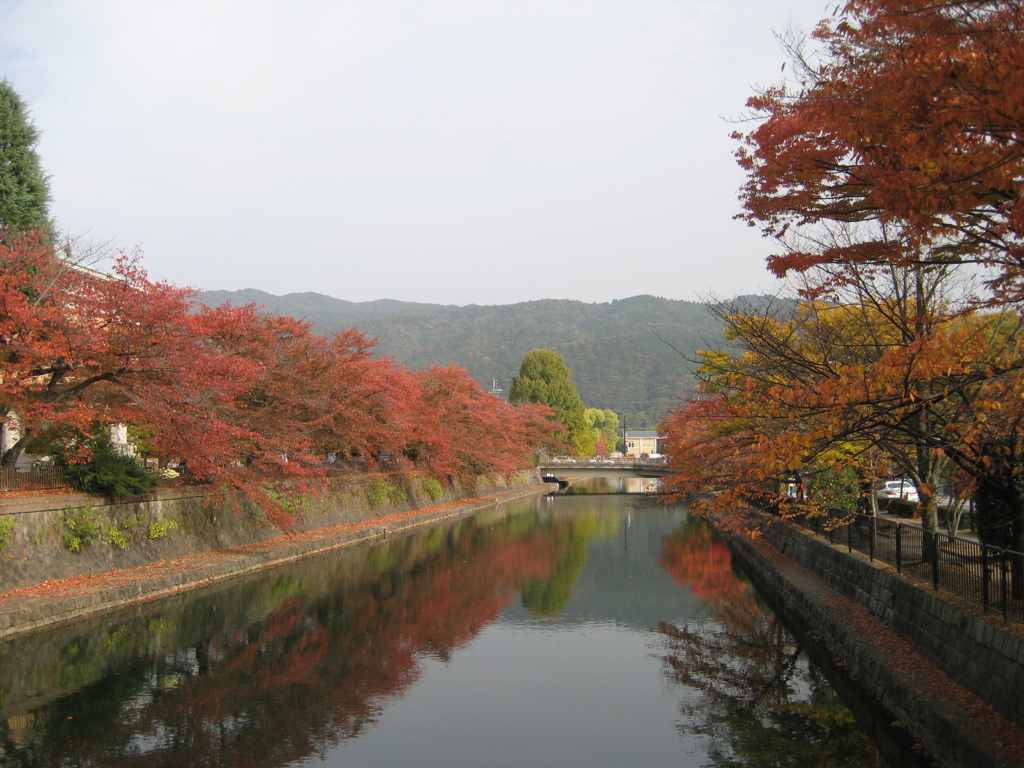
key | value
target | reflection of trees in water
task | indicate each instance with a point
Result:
(589, 486)
(311, 672)
(549, 594)
(758, 697)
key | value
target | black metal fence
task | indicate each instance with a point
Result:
(13, 479)
(988, 576)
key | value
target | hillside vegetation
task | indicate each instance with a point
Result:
(617, 351)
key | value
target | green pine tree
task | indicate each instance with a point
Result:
(24, 189)
(544, 378)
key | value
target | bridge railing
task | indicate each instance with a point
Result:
(626, 462)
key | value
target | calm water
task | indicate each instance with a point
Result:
(574, 631)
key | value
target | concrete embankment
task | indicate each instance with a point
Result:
(952, 679)
(62, 562)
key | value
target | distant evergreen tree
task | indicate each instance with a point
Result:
(544, 378)
(24, 190)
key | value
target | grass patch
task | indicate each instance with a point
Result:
(381, 493)
(433, 489)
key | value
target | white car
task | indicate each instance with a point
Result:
(898, 489)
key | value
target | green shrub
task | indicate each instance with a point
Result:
(433, 489)
(81, 528)
(160, 528)
(108, 473)
(118, 538)
(6, 532)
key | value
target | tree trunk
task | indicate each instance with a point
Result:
(11, 455)
(928, 508)
(1000, 517)
(929, 511)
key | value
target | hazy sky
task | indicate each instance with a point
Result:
(443, 151)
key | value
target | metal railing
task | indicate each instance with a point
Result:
(989, 576)
(14, 479)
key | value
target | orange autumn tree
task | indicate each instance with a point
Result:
(894, 147)
(906, 113)
(823, 387)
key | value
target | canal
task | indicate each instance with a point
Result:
(579, 630)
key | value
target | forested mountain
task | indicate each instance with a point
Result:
(614, 350)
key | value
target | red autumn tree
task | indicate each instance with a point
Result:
(463, 431)
(906, 113)
(81, 349)
(246, 400)
(372, 401)
(264, 431)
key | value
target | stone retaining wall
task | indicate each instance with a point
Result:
(63, 536)
(870, 658)
(980, 655)
(44, 605)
